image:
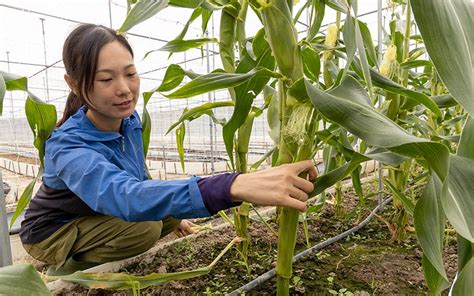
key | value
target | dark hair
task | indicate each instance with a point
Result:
(80, 54)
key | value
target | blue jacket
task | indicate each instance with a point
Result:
(106, 170)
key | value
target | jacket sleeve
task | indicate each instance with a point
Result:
(109, 190)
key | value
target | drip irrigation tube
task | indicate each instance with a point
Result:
(271, 273)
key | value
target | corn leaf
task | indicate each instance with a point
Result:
(415, 64)
(429, 222)
(459, 202)
(146, 123)
(3, 89)
(339, 5)
(215, 81)
(444, 101)
(311, 63)
(198, 111)
(405, 200)
(446, 27)
(120, 281)
(22, 279)
(391, 86)
(465, 251)
(227, 35)
(186, 3)
(179, 45)
(41, 117)
(368, 44)
(180, 134)
(14, 82)
(435, 282)
(24, 199)
(318, 7)
(141, 11)
(464, 285)
(244, 96)
(376, 129)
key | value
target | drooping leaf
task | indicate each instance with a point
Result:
(41, 117)
(429, 223)
(445, 26)
(376, 129)
(435, 282)
(141, 11)
(3, 89)
(180, 134)
(121, 281)
(464, 284)
(22, 279)
(227, 35)
(405, 200)
(186, 3)
(14, 82)
(318, 7)
(215, 81)
(178, 45)
(24, 199)
(198, 111)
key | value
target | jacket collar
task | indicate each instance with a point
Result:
(81, 126)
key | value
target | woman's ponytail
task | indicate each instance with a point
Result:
(73, 103)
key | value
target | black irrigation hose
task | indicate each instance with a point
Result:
(271, 273)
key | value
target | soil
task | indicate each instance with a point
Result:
(365, 263)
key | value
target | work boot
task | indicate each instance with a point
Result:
(69, 267)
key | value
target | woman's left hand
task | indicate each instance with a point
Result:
(185, 228)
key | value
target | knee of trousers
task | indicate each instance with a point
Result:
(151, 233)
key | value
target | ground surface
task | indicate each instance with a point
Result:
(365, 263)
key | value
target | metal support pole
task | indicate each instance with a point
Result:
(110, 13)
(5, 248)
(380, 101)
(45, 60)
(209, 98)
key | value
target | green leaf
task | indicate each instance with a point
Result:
(227, 35)
(464, 284)
(180, 134)
(339, 5)
(405, 200)
(444, 101)
(415, 64)
(186, 3)
(389, 85)
(446, 27)
(435, 282)
(41, 117)
(368, 44)
(3, 89)
(311, 63)
(198, 111)
(146, 124)
(22, 279)
(141, 11)
(318, 7)
(24, 200)
(14, 82)
(179, 45)
(429, 223)
(119, 281)
(459, 202)
(376, 129)
(215, 81)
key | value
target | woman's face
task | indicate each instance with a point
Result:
(116, 87)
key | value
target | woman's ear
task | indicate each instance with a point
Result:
(71, 83)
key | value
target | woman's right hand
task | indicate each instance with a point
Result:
(277, 186)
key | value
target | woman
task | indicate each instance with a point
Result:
(96, 204)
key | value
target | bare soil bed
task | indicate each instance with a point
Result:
(365, 263)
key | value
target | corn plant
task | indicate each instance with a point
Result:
(335, 110)
(346, 105)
